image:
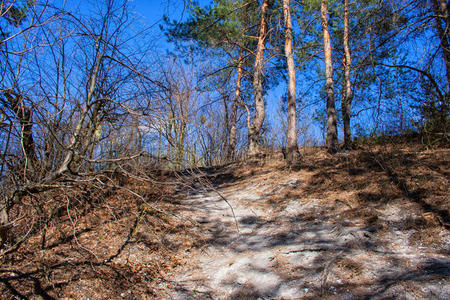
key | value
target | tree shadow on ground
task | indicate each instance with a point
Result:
(114, 245)
(327, 255)
(348, 242)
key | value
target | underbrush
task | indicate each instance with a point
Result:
(96, 240)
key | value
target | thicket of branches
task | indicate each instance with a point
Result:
(82, 106)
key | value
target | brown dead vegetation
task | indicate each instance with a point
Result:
(366, 178)
(104, 244)
(108, 244)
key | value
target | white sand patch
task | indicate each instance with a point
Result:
(280, 255)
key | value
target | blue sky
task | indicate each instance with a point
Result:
(152, 12)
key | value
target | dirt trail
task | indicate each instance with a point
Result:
(305, 249)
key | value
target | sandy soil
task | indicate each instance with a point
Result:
(305, 247)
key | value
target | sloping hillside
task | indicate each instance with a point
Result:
(365, 224)
(370, 223)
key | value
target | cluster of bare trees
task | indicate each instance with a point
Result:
(80, 102)
(84, 96)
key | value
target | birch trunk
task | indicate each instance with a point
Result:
(347, 99)
(234, 110)
(293, 154)
(332, 142)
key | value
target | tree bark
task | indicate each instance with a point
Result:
(442, 18)
(234, 110)
(24, 115)
(293, 154)
(332, 142)
(347, 99)
(254, 131)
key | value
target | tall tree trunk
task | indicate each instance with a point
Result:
(292, 148)
(234, 110)
(347, 99)
(254, 131)
(332, 142)
(442, 18)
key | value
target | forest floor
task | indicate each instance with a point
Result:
(360, 225)
(366, 224)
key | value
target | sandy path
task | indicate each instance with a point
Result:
(302, 251)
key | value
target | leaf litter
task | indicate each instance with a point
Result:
(337, 228)
(371, 223)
